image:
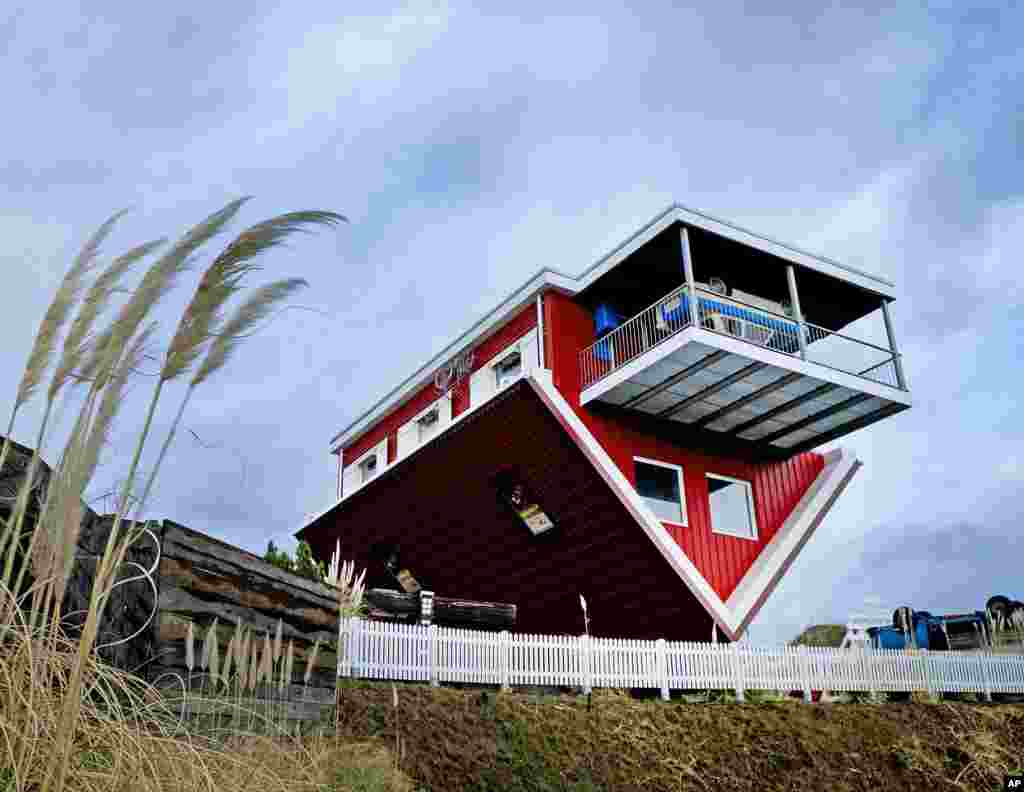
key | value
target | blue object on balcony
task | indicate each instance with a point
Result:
(786, 332)
(603, 350)
(605, 320)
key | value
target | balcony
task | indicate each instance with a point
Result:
(739, 369)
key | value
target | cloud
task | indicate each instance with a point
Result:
(471, 148)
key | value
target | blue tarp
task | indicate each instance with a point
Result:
(785, 338)
(710, 305)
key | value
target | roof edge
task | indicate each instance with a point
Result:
(542, 280)
(547, 277)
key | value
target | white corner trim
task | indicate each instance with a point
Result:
(734, 615)
(779, 553)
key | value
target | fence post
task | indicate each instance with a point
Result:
(805, 651)
(661, 652)
(345, 648)
(929, 686)
(505, 644)
(585, 657)
(985, 678)
(434, 651)
(737, 672)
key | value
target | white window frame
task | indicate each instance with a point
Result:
(682, 488)
(364, 457)
(751, 510)
(434, 407)
(514, 351)
(366, 474)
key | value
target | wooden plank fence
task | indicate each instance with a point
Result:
(378, 650)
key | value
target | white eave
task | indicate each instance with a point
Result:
(553, 279)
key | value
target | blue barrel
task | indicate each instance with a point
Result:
(605, 320)
(887, 638)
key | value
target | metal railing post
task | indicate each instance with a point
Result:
(684, 238)
(897, 362)
(798, 314)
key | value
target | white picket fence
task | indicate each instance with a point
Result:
(379, 650)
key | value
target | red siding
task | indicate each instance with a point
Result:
(777, 486)
(388, 427)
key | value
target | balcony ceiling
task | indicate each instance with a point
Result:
(771, 409)
(656, 269)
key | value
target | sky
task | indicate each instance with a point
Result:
(468, 149)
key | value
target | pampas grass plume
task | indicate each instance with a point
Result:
(289, 660)
(311, 662)
(209, 641)
(190, 651)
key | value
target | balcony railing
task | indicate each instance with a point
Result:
(736, 319)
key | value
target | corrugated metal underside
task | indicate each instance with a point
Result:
(754, 401)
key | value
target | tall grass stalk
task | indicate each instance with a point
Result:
(59, 675)
(38, 362)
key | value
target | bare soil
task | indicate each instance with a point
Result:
(453, 740)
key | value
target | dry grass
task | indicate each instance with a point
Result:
(129, 738)
(67, 721)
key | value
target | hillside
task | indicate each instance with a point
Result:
(455, 740)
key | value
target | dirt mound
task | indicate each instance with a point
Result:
(483, 740)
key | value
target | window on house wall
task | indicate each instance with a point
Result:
(368, 468)
(508, 369)
(428, 423)
(660, 484)
(732, 506)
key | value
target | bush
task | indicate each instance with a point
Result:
(304, 564)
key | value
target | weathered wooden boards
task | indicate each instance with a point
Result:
(130, 604)
(201, 578)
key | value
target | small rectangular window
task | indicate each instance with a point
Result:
(427, 424)
(508, 369)
(368, 468)
(732, 507)
(661, 487)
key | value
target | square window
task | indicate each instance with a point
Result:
(508, 369)
(732, 507)
(661, 487)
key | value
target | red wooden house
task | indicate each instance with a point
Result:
(644, 434)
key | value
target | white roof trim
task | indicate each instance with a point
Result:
(550, 278)
(735, 614)
(544, 279)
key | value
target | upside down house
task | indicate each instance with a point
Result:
(648, 434)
